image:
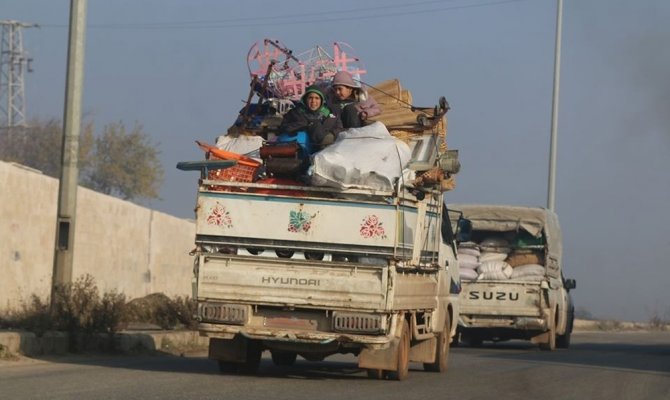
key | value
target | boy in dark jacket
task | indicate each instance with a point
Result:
(313, 116)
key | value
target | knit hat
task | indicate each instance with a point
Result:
(312, 89)
(343, 78)
(323, 109)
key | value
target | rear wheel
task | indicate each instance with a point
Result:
(441, 350)
(550, 344)
(403, 355)
(563, 341)
(253, 361)
(375, 373)
(283, 358)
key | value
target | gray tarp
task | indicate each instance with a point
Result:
(501, 218)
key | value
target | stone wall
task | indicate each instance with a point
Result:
(125, 247)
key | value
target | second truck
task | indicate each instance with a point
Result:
(512, 277)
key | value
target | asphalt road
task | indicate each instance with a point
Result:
(627, 365)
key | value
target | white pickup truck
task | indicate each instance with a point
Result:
(315, 270)
(318, 250)
(512, 277)
(363, 272)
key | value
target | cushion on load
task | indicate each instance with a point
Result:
(494, 270)
(469, 250)
(490, 256)
(468, 274)
(527, 270)
(468, 261)
(367, 157)
(516, 259)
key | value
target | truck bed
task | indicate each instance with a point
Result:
(370, 226)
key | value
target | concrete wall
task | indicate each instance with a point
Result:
(125, 247)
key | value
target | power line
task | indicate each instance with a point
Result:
(257, 18)
(293, 19)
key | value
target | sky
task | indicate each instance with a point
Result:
(178, 67)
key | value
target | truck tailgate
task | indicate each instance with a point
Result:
(501, 298)
(280, 282)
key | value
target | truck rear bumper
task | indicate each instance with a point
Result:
(297, 336)
(522, 323)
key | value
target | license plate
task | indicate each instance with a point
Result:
(290, 323)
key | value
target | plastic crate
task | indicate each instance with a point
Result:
(245, 170)
(237, 173)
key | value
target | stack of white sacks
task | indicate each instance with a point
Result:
(468, 260)
(493, 259)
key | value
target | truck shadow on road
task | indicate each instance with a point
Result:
(619, 352)
(200, 364)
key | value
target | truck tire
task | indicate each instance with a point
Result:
(456, 340)
(253, 361)
(375, 373)
(403, 355)
(563, 341)
(550, 344)
(283, 358)
(441, 350)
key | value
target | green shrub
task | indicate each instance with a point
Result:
(78, 309)
(33, 316)
(158, 309)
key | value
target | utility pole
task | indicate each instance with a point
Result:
(67, 188)
(14, 61)
(551, 190)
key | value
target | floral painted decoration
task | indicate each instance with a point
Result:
(219, 216)
(372, 228)
(300, 221)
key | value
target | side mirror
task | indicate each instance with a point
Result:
(570, 284)
(463, 230)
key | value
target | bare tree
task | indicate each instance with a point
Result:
(39, 145)
(125, 164)
(118, 162)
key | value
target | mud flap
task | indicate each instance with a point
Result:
(384, 359)
(541, 338)
(232, 350)
(544, 337)
(423, 351)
